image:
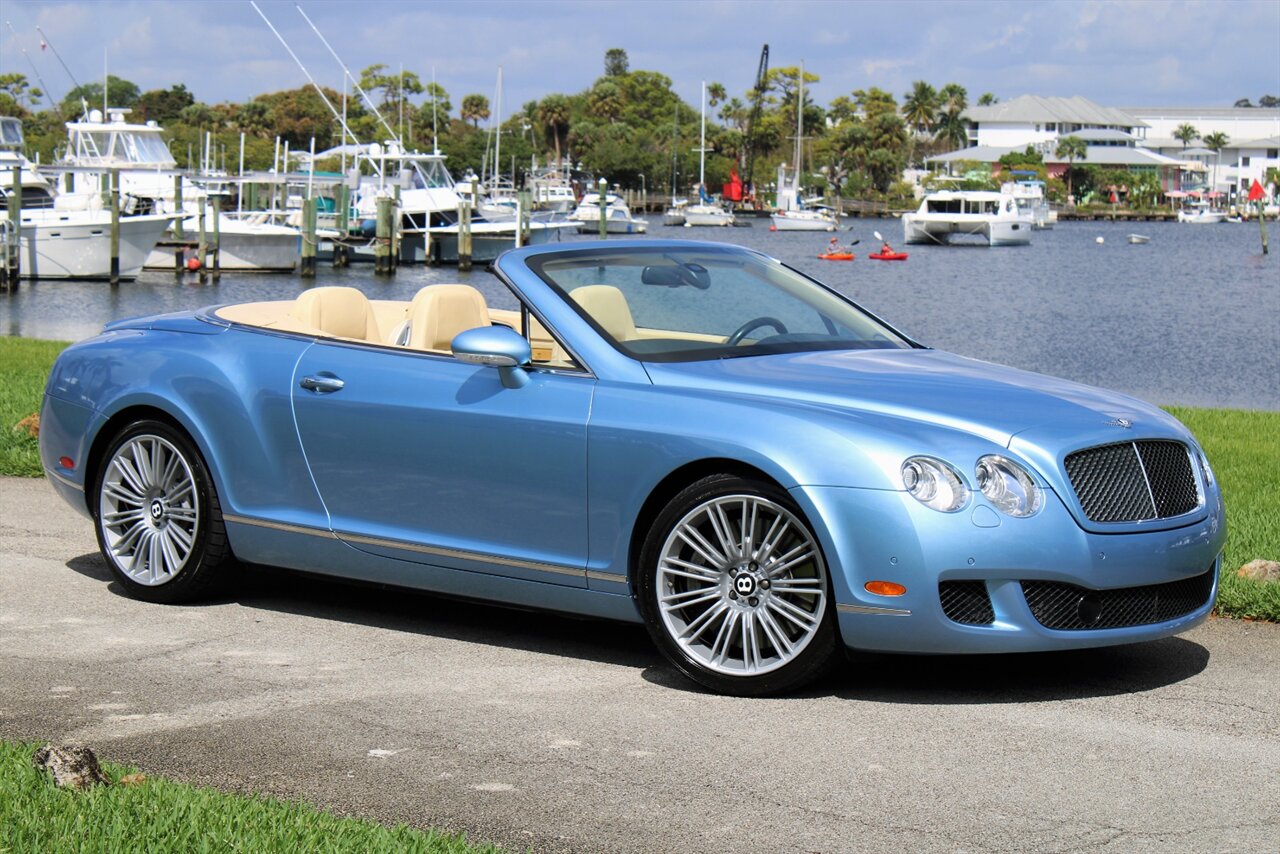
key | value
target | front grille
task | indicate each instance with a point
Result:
(1066, 606)
(1134, 481)
(966, 602)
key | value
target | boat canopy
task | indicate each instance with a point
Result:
(99, 144)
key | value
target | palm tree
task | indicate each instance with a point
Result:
(1185, 133)
(1071, 149)
(715, 93)
(988, 99)
(954, 98)
(605, 101)
(553, 112)
(1215, 142)
(952, 129)
(920, 106)
(474, 108)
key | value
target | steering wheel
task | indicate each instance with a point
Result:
(741, 332)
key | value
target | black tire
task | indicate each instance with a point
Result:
(766, 603)
(192, 557)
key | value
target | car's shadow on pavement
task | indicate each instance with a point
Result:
(866, 677)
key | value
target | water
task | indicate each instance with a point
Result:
(1191, 318)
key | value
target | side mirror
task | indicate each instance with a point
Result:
(496, 347)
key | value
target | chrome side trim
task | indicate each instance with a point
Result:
(871, 609)
(64, 481)
(277, 526)
(459, 554)
(606, 576)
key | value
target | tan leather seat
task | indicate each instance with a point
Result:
(607, 307)
(439, 312)
(337, 311)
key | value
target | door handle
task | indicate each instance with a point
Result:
(322, 384)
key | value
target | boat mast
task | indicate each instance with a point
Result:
(702, 144)
(799, 132)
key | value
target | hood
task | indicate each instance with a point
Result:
(930, 386)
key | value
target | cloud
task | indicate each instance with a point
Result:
(874, 67)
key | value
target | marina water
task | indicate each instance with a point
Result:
(1191, 318)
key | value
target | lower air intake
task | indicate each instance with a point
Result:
(966, 602)
(1069, 607)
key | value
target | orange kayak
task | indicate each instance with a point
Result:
(838, 256)
(889, 256)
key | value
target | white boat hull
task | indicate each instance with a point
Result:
(802, 221)
(699, 218)
(943, 229)
(614, 226)
(1202, 217)
(77, 245)
(243, 247)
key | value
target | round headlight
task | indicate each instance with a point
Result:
(1008, 486)
(935, 484)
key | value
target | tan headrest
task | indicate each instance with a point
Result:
(608, 307)
(340, 312)
(439, 312)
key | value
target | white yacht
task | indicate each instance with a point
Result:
(705, 212)
(948, 214)
(1201, 214)
(1028, 195)
(792, 213)
(147, 171)
(66, 236)
(617, 216)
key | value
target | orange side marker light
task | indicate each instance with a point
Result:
(66, 462)
(885, 588)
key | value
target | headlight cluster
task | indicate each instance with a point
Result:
(1007, 485)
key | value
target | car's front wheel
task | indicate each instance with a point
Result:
(734, 588)
(158, 520)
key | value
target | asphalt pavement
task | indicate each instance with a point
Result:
(545, 732)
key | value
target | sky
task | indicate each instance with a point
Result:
(1134, 53)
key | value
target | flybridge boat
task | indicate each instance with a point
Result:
(147, 171)
(66, 236)
(617, 216)
(946, 215)
(1028, 195)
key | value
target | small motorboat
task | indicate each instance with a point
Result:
(888, 256)
(837, 256)
(1138, 238)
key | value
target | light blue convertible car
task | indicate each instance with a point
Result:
(686, 434)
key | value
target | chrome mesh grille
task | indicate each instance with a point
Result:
(966, 602)
(1069, 607)
(1134, 481)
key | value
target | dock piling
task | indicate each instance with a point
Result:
(382, 248)
(202, 247)
(464, 235)
(309, 239)
(217, 238)
(12, 267)
(178, 253)
(114, 179)
(604, 206)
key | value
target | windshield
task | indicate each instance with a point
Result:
(683, 305)
(11, 132)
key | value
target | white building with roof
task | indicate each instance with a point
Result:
(1253, 141)
(1033, 120)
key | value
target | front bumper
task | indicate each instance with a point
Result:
(870, 535)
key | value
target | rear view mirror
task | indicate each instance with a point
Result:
(676, 276)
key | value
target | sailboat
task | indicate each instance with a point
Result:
(705, 212)
(792, 214)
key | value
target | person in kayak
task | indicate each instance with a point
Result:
(886, 249)
(833, 247)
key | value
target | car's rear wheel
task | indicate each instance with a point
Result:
(157, 516)
(734, 588)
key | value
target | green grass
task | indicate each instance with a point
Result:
(162, 816)
(1244, 450)
(24, 366)
(1242, 446)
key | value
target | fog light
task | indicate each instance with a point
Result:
(884, 588)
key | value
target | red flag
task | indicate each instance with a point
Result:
(43, 44)
(1255, 192)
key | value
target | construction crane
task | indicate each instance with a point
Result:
(757, 106)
